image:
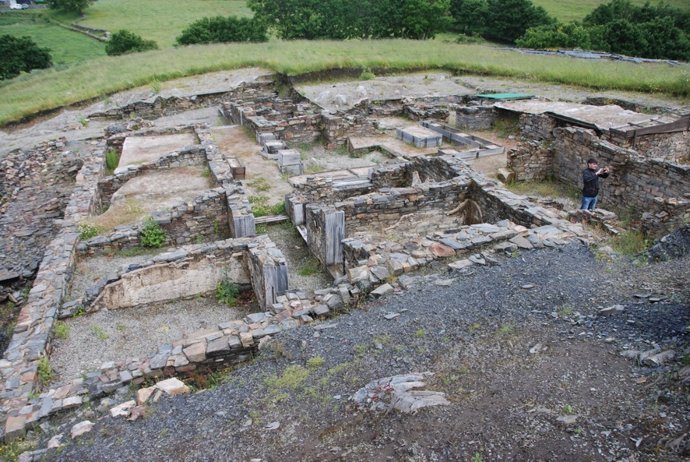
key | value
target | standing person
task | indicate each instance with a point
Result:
(590, 186)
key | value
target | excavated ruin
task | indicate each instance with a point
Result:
(366, 222)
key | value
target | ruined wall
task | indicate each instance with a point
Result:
(163, 282)
(474, 117)
(532, 159)
(386, 207)
(635, 182)
(672, 147)
(325, 232)
(268, 271)
(187, 157)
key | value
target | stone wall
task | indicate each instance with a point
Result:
(532, 159)
(474, 117)
(189, 156)
(268, 271)
(32, 332)
(672, 147)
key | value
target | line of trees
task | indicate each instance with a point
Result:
(347, 19)
(649, 31)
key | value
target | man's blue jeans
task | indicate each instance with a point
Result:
(588, 203)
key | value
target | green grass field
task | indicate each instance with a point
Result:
(50, 88)
(66, 47)
(571, 10)
(159, 20)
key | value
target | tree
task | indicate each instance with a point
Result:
(76, 6)
(469, 15)
(21, 54)
(221, 29)
(507, 20)
(124, 41)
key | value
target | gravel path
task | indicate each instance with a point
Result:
(475, 336)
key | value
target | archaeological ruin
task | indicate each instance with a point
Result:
(371, 182)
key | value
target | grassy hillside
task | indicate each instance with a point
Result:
(159, 20)
(570, 10)
(66, 47)
(51, 88)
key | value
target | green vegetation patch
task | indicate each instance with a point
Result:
(157, 20)
(65, 46)
(49, 89)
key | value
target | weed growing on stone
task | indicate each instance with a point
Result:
(292, 378)
(87, 231)
(152, 235)
(568, 409)
(99, 333)
(112, 159)
(133, 251)
(261, 228)
(61, 330)
(477, 457)
(261, 208)
(44, 371)
(506, 329)
(630, 242)
(84, 122)
(259, 184)
(315, 362)
(309, 267)
(227, 293)
(565, 311)
(13, 449)
(419, 333)
(156, 86)
(367, 75)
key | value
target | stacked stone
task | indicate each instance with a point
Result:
(188, 156)
(240, 219)
(30, 341)
(474, 117)
(34, 190)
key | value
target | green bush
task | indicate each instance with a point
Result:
(112, 159)
(124, 41)
(620, 27)
(21, 54)
(87, 231)
(221, 29)
(152, 235)
(227, 293)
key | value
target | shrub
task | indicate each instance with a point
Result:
(221, 29)
(87, 231)
(152, 235)
(21, 54)
(367, 75)
(44, 371)
(124, 41)
(112, 159)
(61, 330)
(227, 293)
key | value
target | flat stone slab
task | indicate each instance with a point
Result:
(419, 136)
(603, 117)
(142, 149)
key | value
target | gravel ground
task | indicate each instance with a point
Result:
(115, 335)
(475, 335)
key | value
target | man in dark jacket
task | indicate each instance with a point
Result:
(590, 180)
